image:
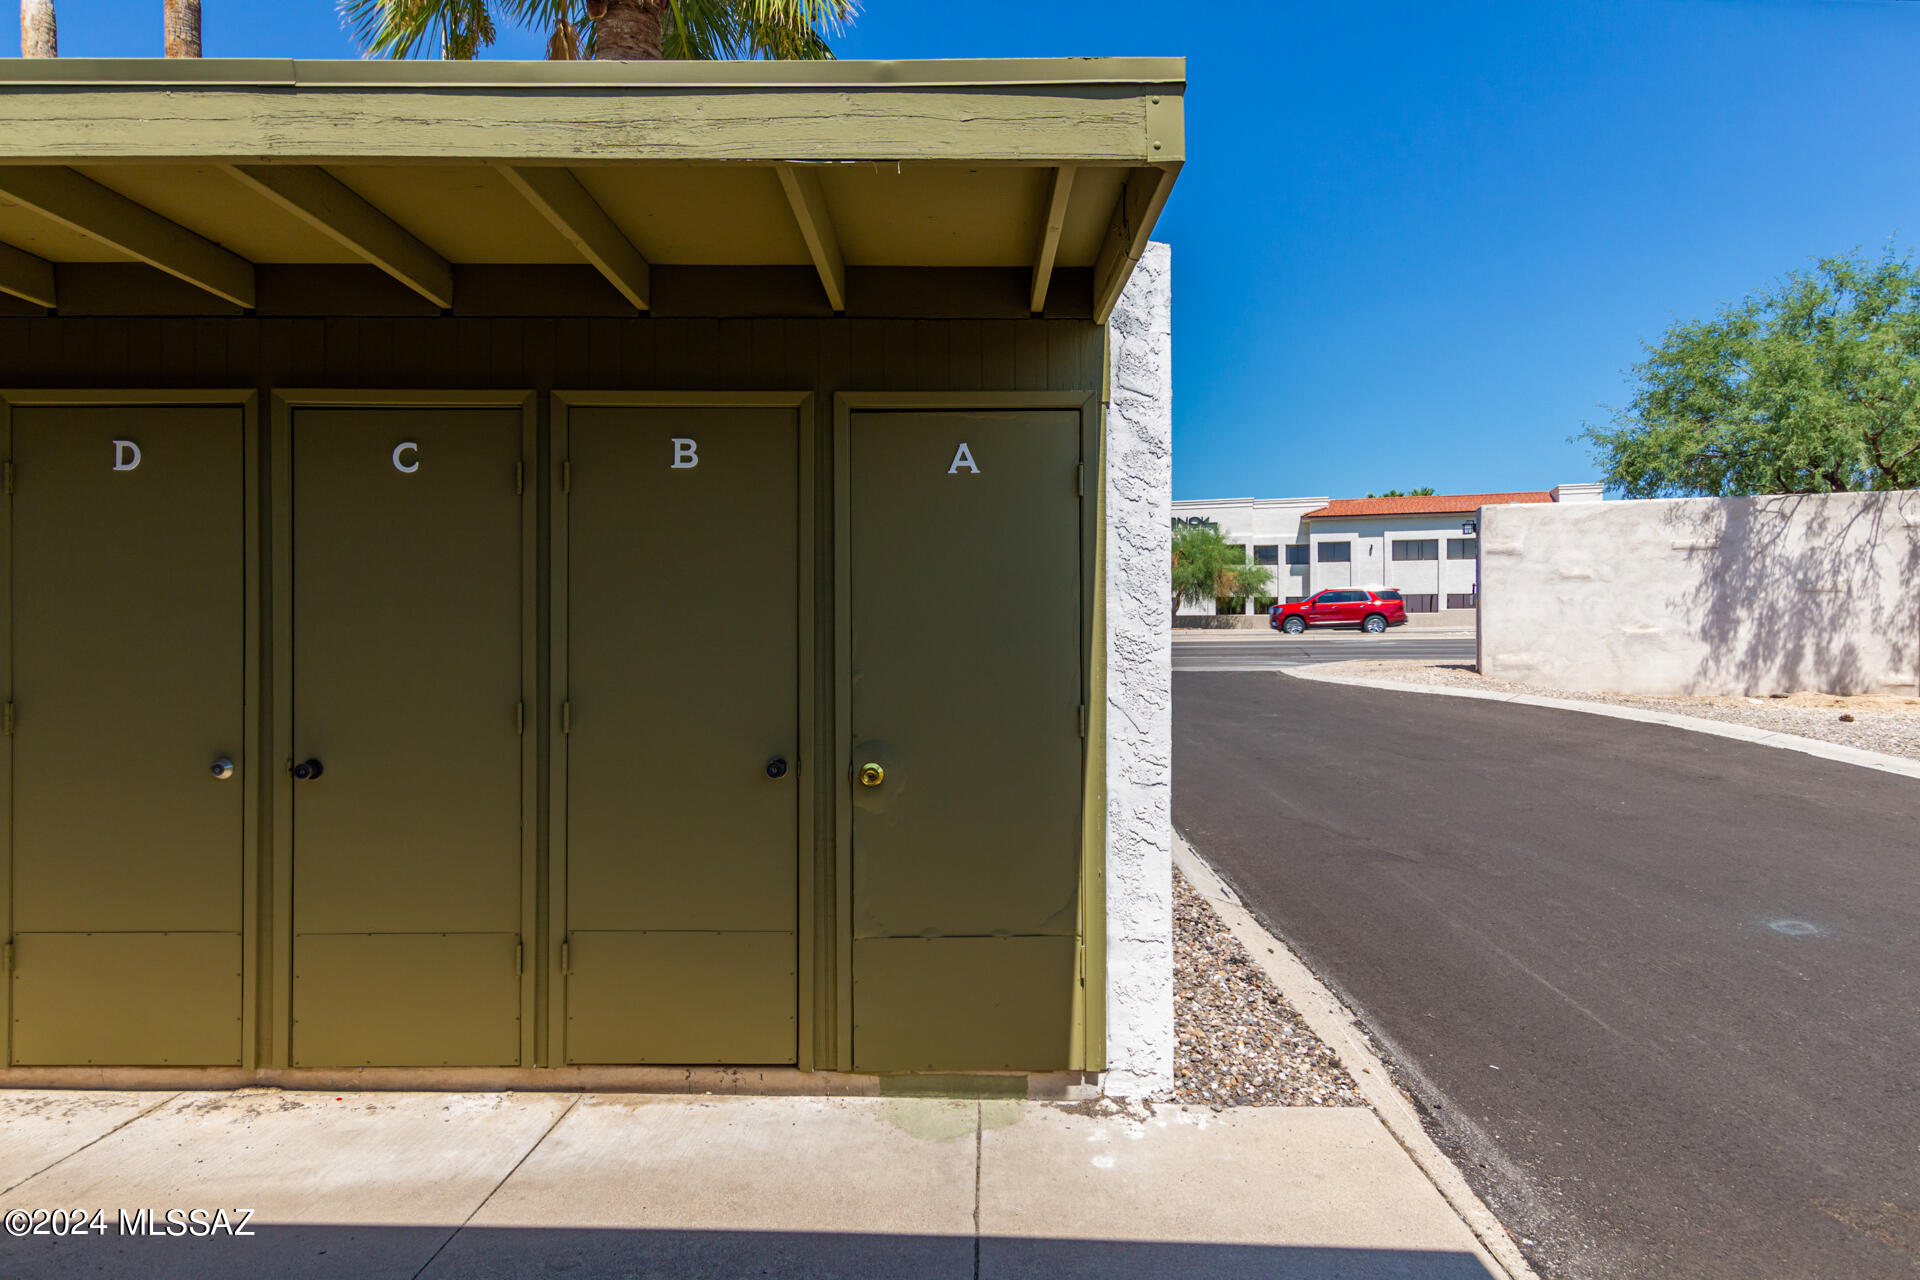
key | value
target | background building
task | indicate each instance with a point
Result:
(1426, 547)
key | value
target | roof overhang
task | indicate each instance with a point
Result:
(206, 169)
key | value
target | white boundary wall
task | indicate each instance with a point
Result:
(1139, 711)
(1705, 595)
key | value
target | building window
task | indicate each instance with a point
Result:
(1463, 548)
(1417, 549)
(1296, 553)
(1422, 604)
(1295, 599)
(1457, 601)
(1336, 553)
(1263, 603)
(1267, 554)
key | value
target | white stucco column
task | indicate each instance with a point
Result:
(1139, 549)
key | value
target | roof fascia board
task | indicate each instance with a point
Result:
(1134, 214)
(582, 124)
(284, 73)
(78, 202)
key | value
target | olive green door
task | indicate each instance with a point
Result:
(406, 655)
(964, 574)
(128, 557)
(683, 771)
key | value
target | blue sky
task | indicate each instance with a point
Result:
(1415, 243)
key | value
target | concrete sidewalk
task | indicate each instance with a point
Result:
(525, 1184)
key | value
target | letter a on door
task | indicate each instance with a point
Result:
(963, 457)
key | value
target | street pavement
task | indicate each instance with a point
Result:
(1655, 991)
(1269, 651)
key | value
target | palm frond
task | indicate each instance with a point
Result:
(401, 28)
(723, 29)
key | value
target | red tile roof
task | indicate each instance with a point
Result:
(1439, 504)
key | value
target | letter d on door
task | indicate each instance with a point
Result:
(126, 455)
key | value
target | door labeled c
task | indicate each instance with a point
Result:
(407, 737)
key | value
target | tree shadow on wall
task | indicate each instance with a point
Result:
(1802, 591)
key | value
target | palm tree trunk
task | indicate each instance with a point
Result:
(630, 30)
(183, 28)
(38, 39)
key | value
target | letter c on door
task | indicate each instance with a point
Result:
(408, 467)
(126, 455)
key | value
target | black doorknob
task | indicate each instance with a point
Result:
(308, 770)
(777, 767)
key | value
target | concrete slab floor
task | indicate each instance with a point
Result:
(457, 1185)
(43, 1126)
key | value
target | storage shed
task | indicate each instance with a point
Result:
(515, 567)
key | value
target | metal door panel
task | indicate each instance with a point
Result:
(683, 669)
(681, 997)
(127, 999)
(966, 670)
(406, 1000)
(962, 1004)
(406, 670)
(128, 664)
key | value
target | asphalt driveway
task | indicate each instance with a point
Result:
(1658, 992)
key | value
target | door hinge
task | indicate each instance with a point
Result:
(566, 959)
(1083, 719)
(520, 717)
(566, 717)
(566, 475)
(519, 958)
(9, 719)
(519, 477)
(1080, 479)
(6, 958)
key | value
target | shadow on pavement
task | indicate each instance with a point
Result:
(365, 1252)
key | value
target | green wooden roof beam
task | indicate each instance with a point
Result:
(80, 203)
(331, 207)
(26, 277)
(575, 214)
(1127, 233)
(1059, 191)
(809, 202)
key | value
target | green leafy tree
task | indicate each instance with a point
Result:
(1208, 567)
(641, 30)
(1405, 493)
(1810, 387)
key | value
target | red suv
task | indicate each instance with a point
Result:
(1372, 611)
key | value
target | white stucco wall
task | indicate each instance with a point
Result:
(1705, 595)
(1139, 712)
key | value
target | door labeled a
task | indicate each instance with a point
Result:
(683, 768)
(128, 560)
(965, 583)
(407, 736)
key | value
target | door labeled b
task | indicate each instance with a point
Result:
(681, 726)
(128, 605)
(407, 734)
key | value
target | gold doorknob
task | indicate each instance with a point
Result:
(872, 775)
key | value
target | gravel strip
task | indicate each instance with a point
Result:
(1241, 1043)
(1869, 722)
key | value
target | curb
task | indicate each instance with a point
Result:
(1334, 1023)
(1694, 724)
